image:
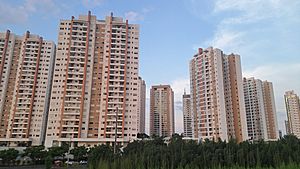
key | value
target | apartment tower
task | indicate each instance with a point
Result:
(217, 98)
(25, 75)
(141, 105)
(95, 82)
(255, 111)
(187, 116)
(287, 128)
(270, 111)
(292, 104)
(161, 111)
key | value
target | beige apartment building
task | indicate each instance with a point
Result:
(141, 105)
(292, 104)
(260, 110)
(25, 75)
(187, 116)
(255, 110)
(270, 110)
(95, 81)
(217, 98)
(162, 111)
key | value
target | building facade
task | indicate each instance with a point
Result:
(141, 105)
(187, 116)
(161, 111)
(95, 81)
(292, 104)
(25, 76)
(255, 109)
(287, 128)
(270, 111)
(217, 98)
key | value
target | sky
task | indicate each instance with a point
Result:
(265, 33)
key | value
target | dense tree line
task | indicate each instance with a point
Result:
(176, 153)
(182, 154)
(38, 155)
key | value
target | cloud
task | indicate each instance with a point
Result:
(284, 77)
(201, 9)
(178, 86)
(134, 16)
(229, 41)
(14, 13)
(92, 3)
(250, 22)
(248, 11)
(265, 34)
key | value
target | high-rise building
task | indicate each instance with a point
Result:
(292, 104)
(161, 111)
(255, 112)
(287, 128)
(95, 82)
(25, 76)
(141, 105)
(217, 98)
(270, 111)
(187, 116)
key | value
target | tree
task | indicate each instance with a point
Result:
(58, 151)
(142, 135)
(80, 153)
(181, 154)
(100, 154)
(48, 162)
(9, 156)
(36, 153)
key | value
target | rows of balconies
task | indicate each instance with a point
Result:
(70, 125)
(22, 106)
(73, 93)
(74, 82)
(72, 104)
(70, 118)
(24, 103)
(75, 66)
(27, 79)
(24, 91)
(74, 88)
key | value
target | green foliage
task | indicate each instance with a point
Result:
(182, 154)
(9, 156)
(80, 153)
(48, 162)
(57, 151)
(100, 156)
(36, 153)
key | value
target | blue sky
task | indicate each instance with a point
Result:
(266, 33)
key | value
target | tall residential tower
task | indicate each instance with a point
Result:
(141, 105)
(270, 110)
(162, 111)
(217, 98)
(95, 81)
(292, 104)
(187, 116)
(25, 75)
(260, 109)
